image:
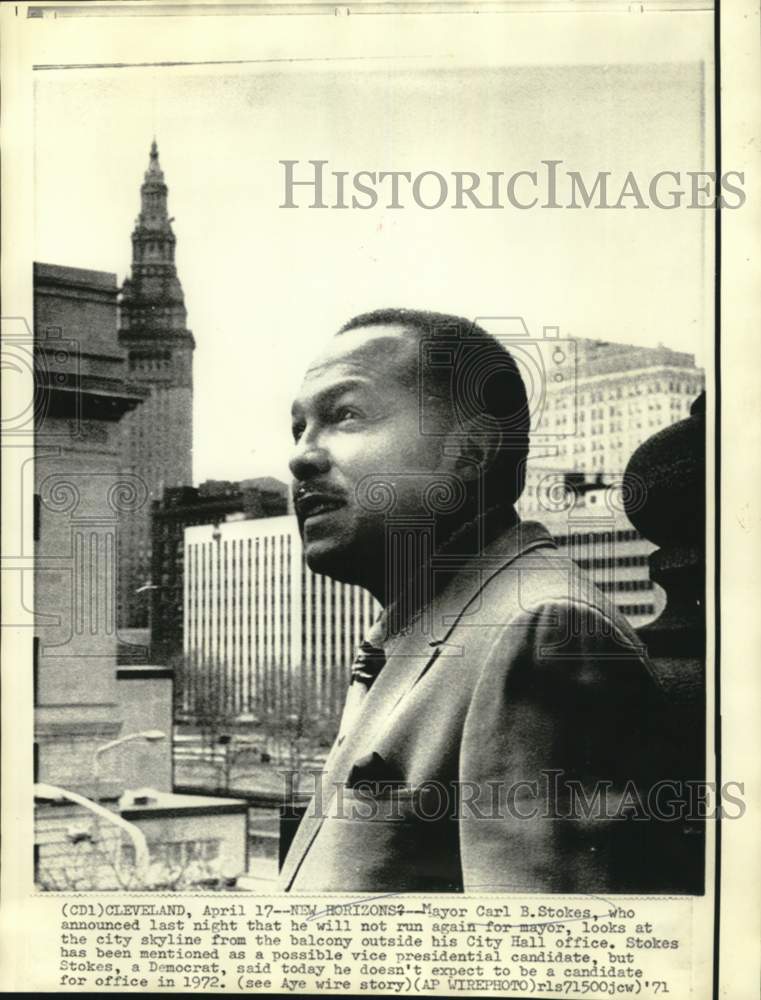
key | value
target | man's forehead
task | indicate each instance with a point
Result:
(383, 351)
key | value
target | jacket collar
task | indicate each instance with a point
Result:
(454, 571)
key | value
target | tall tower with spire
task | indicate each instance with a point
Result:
(158, 435)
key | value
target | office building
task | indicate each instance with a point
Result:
(618, 395)
(582, 439)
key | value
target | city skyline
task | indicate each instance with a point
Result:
(265, 286)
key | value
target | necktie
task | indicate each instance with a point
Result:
(368, 663)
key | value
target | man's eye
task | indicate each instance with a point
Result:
(344, 413)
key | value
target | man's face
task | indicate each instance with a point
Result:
(356, 416)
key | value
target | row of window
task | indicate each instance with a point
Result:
(608, 562)
(625, 585)
(154, 365)
(589, 537)
(636, 609)
(637, 388)
(178, 853)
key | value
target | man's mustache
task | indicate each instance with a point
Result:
(306, 495)
(303, 490)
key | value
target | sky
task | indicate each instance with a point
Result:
(265, 286)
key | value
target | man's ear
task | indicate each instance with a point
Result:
(469, 450)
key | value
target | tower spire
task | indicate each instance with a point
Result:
(152, 298)
(154, 168)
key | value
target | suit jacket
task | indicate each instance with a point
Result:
(481, 753)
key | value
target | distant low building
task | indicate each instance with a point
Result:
(190, 837)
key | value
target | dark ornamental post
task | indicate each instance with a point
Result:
(671, 465)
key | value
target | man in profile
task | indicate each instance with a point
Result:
(498, 715)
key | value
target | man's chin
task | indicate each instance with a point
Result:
(329, 558)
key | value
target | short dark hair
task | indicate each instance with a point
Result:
(476, 376)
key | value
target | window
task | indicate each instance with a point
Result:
(178, 854)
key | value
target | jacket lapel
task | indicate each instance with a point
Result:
(409, 655)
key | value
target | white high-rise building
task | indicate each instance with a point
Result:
(272, 628)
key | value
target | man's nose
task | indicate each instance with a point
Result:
(308, 460)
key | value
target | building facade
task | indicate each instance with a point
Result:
(158, 438)
(587, 430)
(79, 501)
(586, 517)
(90, 715)
(276, 634)
(617, 397)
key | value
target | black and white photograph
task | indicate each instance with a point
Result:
(370, 497)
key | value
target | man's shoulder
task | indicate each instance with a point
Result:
(541, 608)
(540, 576)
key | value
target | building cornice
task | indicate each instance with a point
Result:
(152, 337)
(158, 811)
(86, 398)
(584, 381)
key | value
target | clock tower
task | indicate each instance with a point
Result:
(158, 435)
